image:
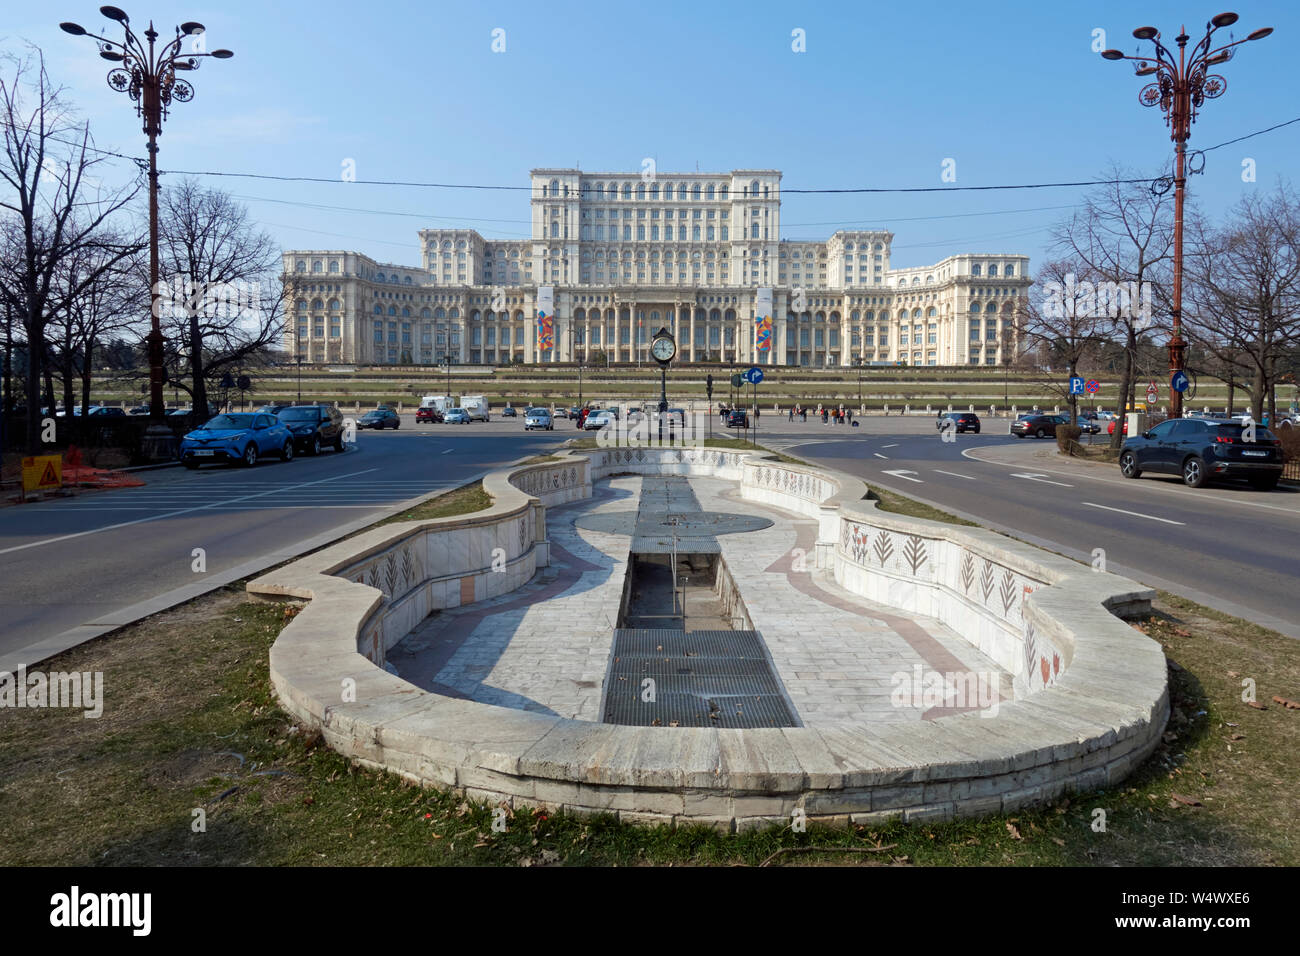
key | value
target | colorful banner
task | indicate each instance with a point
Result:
(763, 321)
(545, 318)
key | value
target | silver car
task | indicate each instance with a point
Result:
(538, 418)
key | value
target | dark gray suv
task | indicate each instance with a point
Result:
(1199, 449)
(313, 427)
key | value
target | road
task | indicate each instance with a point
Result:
(1227, 546)
(75, 568)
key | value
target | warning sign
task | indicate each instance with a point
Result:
(43, 471)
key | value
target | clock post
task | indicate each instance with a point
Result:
(663, 348)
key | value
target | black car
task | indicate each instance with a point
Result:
(314, 427)
(380, 418)
(1200, 450)
(737, 418)
(962, 422)
(275, 408)
(1040, 426)
(509, 412)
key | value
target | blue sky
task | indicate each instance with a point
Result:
(883, 94)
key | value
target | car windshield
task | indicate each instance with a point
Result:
(299, 415)
(230, 421)
(1236, 428)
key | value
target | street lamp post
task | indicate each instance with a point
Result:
(1181, 87)
(299, 378)
(148, 76)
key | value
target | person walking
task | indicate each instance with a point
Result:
(825, 416)
(791, 413)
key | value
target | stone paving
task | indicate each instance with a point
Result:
(545, 647)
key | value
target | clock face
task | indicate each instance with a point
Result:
(663, 349)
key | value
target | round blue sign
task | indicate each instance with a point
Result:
(1178, 381)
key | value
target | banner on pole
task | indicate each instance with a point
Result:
(545, 318)
(763, 321)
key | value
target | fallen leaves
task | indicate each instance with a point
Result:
(1178, 798)
(1013, 830)
(1288, 704)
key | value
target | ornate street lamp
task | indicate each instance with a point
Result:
(1181, 86)
(148, 76)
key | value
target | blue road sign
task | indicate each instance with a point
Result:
(1178, 381)
(1076, 385)
(754, 376)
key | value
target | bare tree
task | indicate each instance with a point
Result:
(1244, 283)
(223, 290)
(1123, 236)
(1062, 323)
(51, 199)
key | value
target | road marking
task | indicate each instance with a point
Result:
(954, 474)
(894, 445)
(879, 455)
(1043, 478)
(903, 473)
(173, 514)
(1135, 514)
(449, 451)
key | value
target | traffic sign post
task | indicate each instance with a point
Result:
(1076, 385)
(1178, 381)
(42, 472)
(1092, 387)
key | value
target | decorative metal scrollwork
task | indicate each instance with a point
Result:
(119, 80)
(182, 91)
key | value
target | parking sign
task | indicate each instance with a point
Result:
(1076, 385)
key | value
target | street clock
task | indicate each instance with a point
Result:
(664, 347)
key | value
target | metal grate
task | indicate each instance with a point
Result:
(701, 679)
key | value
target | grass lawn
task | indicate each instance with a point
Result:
(190, 724)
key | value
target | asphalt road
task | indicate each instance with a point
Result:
(1226, 546)
(73, 568)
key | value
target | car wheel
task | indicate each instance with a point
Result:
(396, 425)
(1039, 433)
(338, 442)
(191, 465)
(250, 455)
(1264, 482)
(314, 448)
(1193, 472)
(286, 453)
(977, 431)
(1128, 465)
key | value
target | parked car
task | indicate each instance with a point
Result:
(428, 413)
(274, 408)
(575, 412)
(380, 418)
(456, 416)
(1200, 450)
(105, 411)
(1089, 426)
(509, 412)
(538, 418)
(737, 418)
(140, 410)
(241, 436)
(1110, 429)
(314, 427)
(1039, 426)
(962, 421)
(598, 419)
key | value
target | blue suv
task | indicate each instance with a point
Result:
(1200, 449)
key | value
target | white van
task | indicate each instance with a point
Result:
(475, 406)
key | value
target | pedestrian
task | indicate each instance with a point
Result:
(825, 416)
(757, 411)
(791, 413)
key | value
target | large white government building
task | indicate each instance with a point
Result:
(626, 255)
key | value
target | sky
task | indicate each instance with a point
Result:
(881, 95)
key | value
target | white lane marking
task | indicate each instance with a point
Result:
(1208, 497)
(954, 474)
(903, 473)
(173, 514)
(879, 455)
(1135, 514)
(894, 445)
(1043, 478)
(449, 451)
